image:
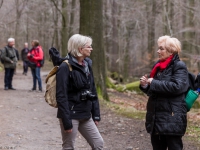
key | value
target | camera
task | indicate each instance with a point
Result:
(87, 95)
(11, 57)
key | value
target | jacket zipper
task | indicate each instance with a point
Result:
(72, 107)
(171, 108)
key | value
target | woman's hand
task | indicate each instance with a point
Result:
(143, 80)
(68, 131)
(96, 122)
(149, 80)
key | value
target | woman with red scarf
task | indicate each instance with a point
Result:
(166, 117)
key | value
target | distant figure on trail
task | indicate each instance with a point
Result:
(35, 55)
(166, 117)
(78, 105)
(17, 54)
(9, 57)
(24, 53)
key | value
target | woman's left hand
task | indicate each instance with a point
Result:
(96, 122)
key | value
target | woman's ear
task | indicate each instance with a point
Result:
(80, 50)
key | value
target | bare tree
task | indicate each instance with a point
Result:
(91, 23)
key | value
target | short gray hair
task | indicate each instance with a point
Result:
(77, 41)
(11, 40)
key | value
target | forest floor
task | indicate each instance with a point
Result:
(29, 123)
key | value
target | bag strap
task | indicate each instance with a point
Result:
(67, 62)
(6, 51)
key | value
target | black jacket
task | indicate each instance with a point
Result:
(166, 107)
(69, 86)
(24, 53)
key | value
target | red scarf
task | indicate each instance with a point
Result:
(161, 65)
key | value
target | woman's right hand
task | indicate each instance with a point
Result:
(68, 131)
(144, 80)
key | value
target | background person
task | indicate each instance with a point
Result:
(10, 59)
(24, 53)
(78, 106)
(166, 117)
(17, 54)
(35, 55)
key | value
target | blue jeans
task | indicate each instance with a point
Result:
(36, 77)
(8, 77)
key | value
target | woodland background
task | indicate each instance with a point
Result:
(124, 32)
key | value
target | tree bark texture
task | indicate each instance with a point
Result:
(91, 24)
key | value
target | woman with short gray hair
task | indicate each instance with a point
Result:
(78, 105)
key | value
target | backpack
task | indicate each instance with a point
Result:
(1, 56)
(192, 93)
(43, 59)
(2, 61)
(50, 94)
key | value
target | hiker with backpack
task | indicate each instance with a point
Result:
(9, 60)
(166, 117)
(76, 96)
(35, 56)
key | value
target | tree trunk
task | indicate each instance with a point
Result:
(151, 12)
(115, 41)
(18, 14)
(72, 14)
(189, 36)
(64, 34)
(91, 23)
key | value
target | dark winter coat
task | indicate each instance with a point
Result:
(24, 53)
(69, 86)
(166, 107)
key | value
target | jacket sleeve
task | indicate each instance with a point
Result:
(95, 103)
(145, 90)
(40, 55)
(61, 95)
(176, 85)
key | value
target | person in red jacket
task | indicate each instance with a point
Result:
(35, 55)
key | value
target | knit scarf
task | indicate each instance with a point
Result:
(161, 65)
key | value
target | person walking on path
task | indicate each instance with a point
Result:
(35, 55)
(17, 54)
(78, 105)
(24, 58)
(166, 117)
(9, 57)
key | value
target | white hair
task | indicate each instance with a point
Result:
(77, 41)
(11, 40)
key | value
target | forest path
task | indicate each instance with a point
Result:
(28, 123)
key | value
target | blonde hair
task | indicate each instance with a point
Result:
(172, 45)
(77, 41)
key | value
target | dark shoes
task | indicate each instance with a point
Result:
(11, 88)
(40, 89)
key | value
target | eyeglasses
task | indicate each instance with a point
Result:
(87, 46)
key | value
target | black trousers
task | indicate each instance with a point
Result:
(25, 67)
(162, 142)
(8, 77)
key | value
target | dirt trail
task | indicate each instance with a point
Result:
(28, 123)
